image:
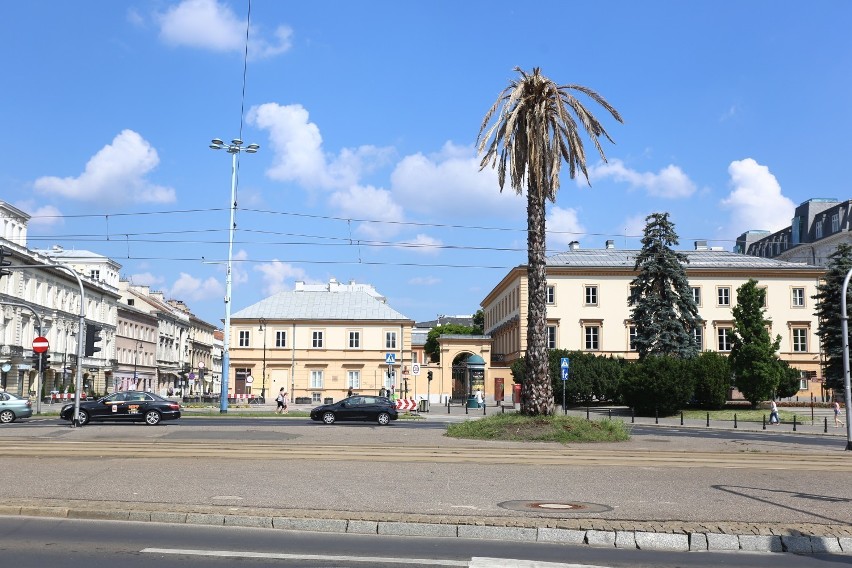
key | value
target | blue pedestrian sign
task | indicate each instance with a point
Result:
(390, 358)
(565, 365)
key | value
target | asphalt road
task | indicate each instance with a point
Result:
(292, 463)
(68, 543)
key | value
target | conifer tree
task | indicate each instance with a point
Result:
(664, 311)
(754, 361)
(828, 311)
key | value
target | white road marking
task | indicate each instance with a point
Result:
(475, 562)
(318, 557)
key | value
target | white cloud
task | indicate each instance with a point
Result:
(115, 174)
(187, 287)
(41, 215)
(298, 153)
(146, 279)
(212, 25)
(563, 226)
(276, 274)
(423, 244)
(450, 185)
(756, 201)
(238, 274)
(670, 182)
(424, 281)
(367, 202)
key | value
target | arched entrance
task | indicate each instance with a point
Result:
(460, 386)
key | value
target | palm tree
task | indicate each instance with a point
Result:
(533, 133)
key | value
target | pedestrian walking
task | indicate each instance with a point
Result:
(349, 392)
(383, 391)
(773, 413)
(480, 400)
(281, 399)
(837, 420)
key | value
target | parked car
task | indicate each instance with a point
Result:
(364, 408)
(13, 407)
(125, 406)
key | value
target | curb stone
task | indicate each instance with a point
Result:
(671, 536)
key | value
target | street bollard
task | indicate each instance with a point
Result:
(587, 413)
(609, 413)
(735, 420)
(448, 405)
(764, 422)
(503, 409)
(656, 416)
(825, 429)
(708, 419)
(681, 417)
(484, 406)
(464, 402)
(794, 423)
(632, 415)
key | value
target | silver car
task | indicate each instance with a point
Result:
(13, 407)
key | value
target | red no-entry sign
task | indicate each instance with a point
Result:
(40, 344)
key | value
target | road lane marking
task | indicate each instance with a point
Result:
(316, 557)
(477, 562)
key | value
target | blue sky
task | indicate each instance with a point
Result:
(367, 115)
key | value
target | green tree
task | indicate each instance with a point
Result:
(659, 384)
(534, 132)
(712, 374)
(828, 303)
(753, 353)
(788, 380)
(664, 311)
(431, 346)
(478, 322)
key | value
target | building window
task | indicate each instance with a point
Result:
(818, 229)
(551, 337)
(591, 295)
(698, 337)
(724, 295)
(316, 397)
(803, 380)
(95, 274)
(280, 339)
(835, 222)
(800, 340)
(390, 340)
(592, 333)
(551, 294)
(415, 357)
(245, 337)
(316, 379)
(631, 338)
(696, 295)
(725, 336)
(131, 302)
(353, 379)
(354, 340)
(317, 339)
(798, 297)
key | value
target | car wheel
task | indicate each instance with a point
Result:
(328, 417)
(152, 418)
(384, 418)
(7, 416)
(84, 417)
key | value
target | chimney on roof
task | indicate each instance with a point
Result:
(701, 245)
(610, 244)
(574, 245)
(299, 285)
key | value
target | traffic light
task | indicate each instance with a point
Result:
(429, 375)
(93, 335)
(45, 360)
(4, 263)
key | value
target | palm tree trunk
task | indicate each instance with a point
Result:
(537, 393)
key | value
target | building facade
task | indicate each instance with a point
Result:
(587, 305)
(318, 341)
(817, 227)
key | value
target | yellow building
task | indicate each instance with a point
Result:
(587, 309)
(318, 341)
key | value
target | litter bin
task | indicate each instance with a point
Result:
(471, 402)
(423, 405)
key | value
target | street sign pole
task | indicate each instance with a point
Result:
(566, 369)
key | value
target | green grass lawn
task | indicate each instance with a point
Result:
(519, 428)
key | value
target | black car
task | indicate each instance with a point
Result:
(125, 406)
(365, 408)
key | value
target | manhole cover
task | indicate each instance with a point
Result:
(554, 506)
